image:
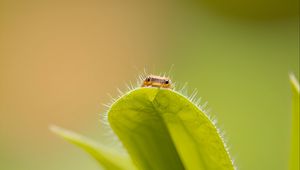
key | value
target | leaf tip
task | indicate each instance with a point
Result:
(68, 135)
(54, 128)
(294, 81)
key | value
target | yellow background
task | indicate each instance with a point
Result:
(59, 59)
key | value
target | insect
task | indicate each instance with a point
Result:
(156, 81)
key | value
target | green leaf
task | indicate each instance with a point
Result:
(294, 158)
(161, 129)
(107, 158)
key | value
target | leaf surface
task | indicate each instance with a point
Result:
(106, 157)
(294, 158)
(161, 129)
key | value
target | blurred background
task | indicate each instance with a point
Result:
(59, 59)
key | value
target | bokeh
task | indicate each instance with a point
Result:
(60, 59)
